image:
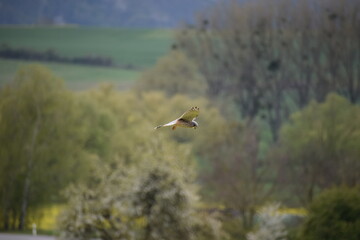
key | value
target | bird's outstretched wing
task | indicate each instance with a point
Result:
(190, 114)
(172, 123)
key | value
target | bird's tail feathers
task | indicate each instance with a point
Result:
(158, 127)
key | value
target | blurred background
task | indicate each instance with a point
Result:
(277, 153)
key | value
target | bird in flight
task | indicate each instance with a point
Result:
(186, 120)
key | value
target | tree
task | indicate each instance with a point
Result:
(145, 184)
(321, 147)
(166, 205)
(271, 58)
(334, 214)
(39, 141)
(61, 134)
(152, 199)
(99, 209)
(135, 114)
(174, 74)
(242, 178)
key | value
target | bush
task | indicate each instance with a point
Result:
(157, 204)
(270, 224)
(334, 214)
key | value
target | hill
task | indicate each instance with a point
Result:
(120, 13)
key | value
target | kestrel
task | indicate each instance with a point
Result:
(186, 120)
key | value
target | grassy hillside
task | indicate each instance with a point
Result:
(138, 47)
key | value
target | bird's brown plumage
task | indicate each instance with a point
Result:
(186, 120)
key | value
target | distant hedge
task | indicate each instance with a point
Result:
(51, 55)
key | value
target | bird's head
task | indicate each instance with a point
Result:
(195, 124)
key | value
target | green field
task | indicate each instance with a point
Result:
(138, 47)
(76, 77)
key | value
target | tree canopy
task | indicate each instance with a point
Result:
(39, 129)
(322, 146)
(334, 214)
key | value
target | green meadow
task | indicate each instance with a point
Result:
(140, 48)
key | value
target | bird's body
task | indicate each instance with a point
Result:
(186, 120)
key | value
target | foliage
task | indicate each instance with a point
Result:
(240, 177)
(273, 58)
(38, 130)
(154, 200)
(165, 204)
(268, 60)
(174, 74)
(233, 227)
(270, 224)
(98, 209)
(321, 147)
(334, 214)
(136, 114)
(83, 131)
(143, 178)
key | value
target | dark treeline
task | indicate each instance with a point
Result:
(51, 55)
